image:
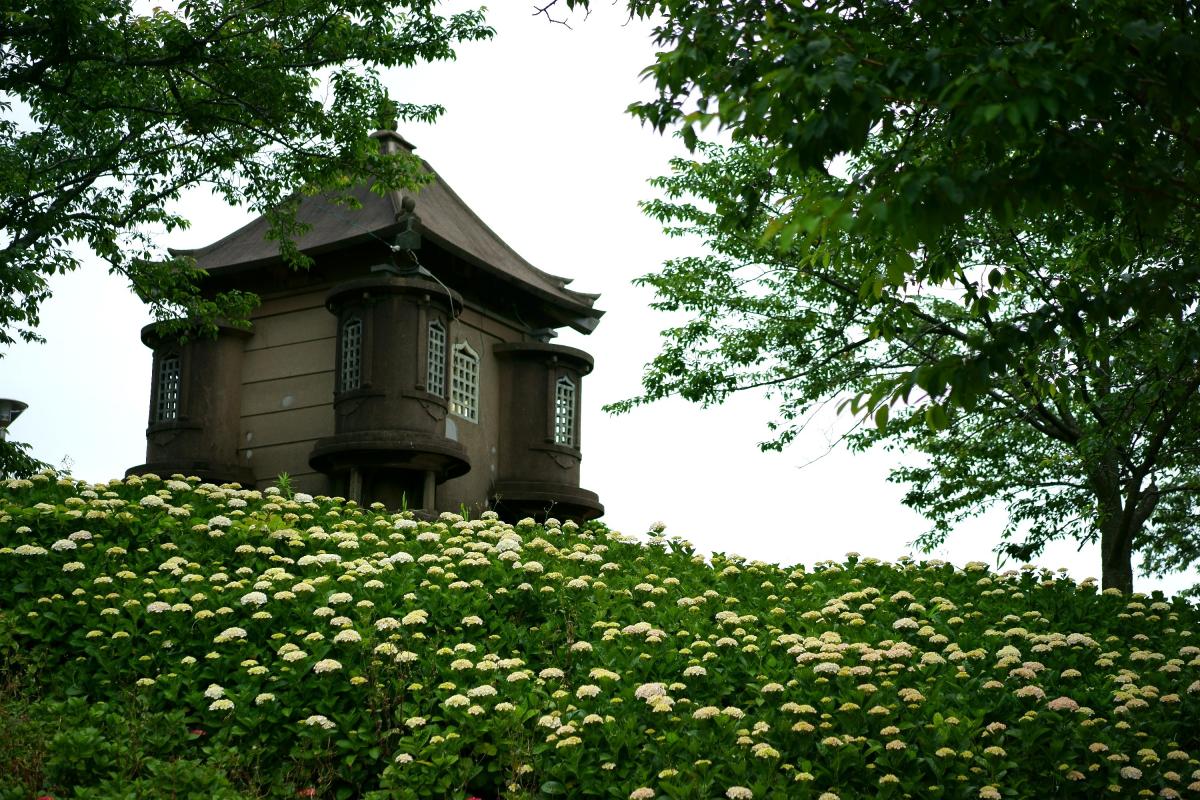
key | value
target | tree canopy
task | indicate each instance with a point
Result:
(111, 109)
(982, 217)
(1088, 437)
(951, 109)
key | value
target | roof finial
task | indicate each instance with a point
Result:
(390, 141)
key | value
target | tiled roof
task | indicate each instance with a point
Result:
(444, 219)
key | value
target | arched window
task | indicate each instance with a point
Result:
(464, 383)
(564, 412)
(351, 375)
(166, 404)
(435, 377)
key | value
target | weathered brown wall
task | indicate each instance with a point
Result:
(481, 439)
(287, 389)
(287, 396)
(203, 438)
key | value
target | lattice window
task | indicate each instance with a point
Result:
(351, 377)
(435, 378)
(166, 406)
(464, 383)
(564, 412)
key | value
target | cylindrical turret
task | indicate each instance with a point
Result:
(391, 380)
(541, 391)
(195, 404)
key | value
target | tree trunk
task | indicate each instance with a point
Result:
(1116, 551)
(1116, 554)
(1121, 513)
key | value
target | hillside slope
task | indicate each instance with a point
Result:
(232, 643)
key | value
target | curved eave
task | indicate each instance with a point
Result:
(258, 263)
(575, 312)
(559, 282)
(443, 219)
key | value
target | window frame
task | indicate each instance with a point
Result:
(468, 407)
(436, 351)
(566, 411)
(358, 364)
(174, 405)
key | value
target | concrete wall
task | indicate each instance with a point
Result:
(287, 397)
(287, 389)
(481, 439)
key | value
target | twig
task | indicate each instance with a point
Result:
(545, 12)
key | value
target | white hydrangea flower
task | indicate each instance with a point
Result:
(649, 691)
(418, 617)
(319, 721)
(456, 701)
(229, 634)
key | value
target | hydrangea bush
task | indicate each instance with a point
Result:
(310, 646)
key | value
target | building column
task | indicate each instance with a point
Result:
(429, 496)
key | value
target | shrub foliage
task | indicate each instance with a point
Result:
(232, 643)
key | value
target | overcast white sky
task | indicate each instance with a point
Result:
(536, 140)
